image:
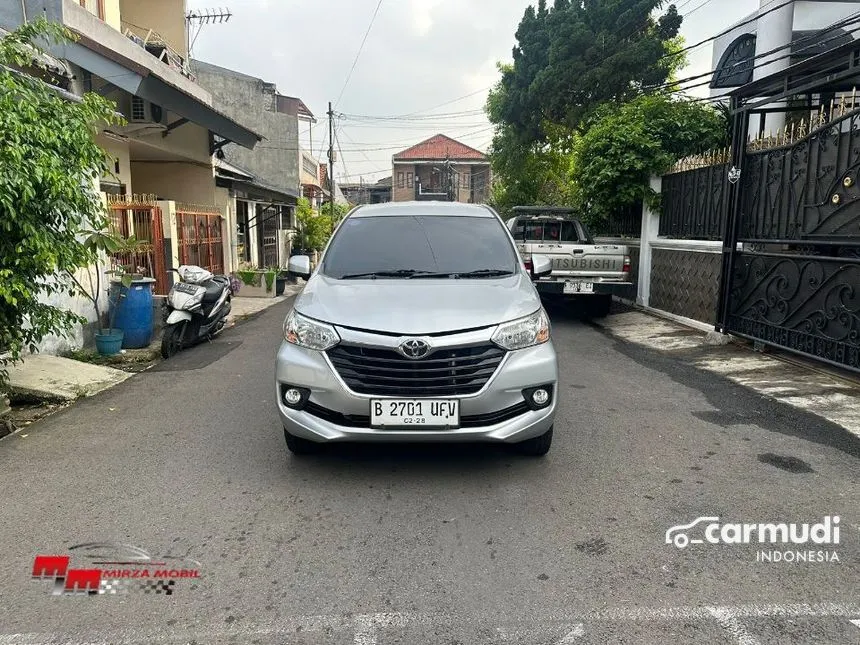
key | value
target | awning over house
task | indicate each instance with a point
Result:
(231, 176)
(140, 81)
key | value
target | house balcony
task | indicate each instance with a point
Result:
(117, 53)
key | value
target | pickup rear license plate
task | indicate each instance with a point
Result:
(578, 287)
(414, 413)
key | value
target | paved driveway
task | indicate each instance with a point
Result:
(442, 544)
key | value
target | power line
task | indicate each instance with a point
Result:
(695, 9)
(730, 29)
(358, 54)
(850, 20)
(439, 115)
(457, 100)
(342, 158)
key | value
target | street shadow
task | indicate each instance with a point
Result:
(439, 460)
(199, 356)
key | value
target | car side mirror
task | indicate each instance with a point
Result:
(541, 266)
(299, 266)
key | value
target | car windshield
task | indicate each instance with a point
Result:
(420, 246)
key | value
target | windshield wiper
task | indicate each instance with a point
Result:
(399, 273)
(483, 273)
(416, 273)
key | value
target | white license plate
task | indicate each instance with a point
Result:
(578, 287)
(414, 413)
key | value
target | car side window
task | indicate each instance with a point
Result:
(568, 232)
(533, 231)
(551, 231)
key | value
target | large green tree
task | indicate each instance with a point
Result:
(49, 163)
(578, 55)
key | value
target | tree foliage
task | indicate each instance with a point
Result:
(50, 163)
(314, 228)
(626, 145)
(580, 54)
(526, 171)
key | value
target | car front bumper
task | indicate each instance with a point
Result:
(496, 413)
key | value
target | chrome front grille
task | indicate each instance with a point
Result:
(382, 371)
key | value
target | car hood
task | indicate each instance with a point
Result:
(420, 306)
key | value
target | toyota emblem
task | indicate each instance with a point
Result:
(414, 348)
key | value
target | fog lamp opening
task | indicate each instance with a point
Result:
(538, 397)
(294, 397)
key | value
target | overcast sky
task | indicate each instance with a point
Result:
(420, 57)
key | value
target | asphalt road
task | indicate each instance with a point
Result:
(447, 544)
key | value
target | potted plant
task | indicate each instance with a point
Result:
(108, 339)
(281, 282)
(257, 283)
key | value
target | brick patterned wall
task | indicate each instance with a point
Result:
(407, 192)
(686, 283)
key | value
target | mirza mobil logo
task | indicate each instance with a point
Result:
(107, 568)
(786, 542)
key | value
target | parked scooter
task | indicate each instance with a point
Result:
(196, 309)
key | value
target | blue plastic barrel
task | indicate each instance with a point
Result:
(134, 314)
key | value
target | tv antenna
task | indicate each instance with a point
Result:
(196, 18)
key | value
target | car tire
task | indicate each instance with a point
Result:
(300, 446)
(536, 446)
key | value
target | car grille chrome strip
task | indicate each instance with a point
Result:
(447, 371)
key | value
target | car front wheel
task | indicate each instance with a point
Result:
(300, 446)
(537, 446)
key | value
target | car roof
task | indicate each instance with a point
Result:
(544, 209)
(428, 208)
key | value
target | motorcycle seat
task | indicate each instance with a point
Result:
(214, 289)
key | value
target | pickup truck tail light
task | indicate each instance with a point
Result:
(528, 264)
(626, 267)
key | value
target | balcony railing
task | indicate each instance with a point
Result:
(156, 45)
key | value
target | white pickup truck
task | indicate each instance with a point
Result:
(584, 271)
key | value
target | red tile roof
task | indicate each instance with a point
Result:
(440, 147)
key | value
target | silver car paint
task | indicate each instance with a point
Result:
(383, 312)
(415, 307)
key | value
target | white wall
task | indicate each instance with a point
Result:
(79, 305)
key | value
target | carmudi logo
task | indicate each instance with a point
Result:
(709, 530)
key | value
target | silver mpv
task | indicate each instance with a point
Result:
(420, 323)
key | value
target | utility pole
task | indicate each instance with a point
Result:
(331, 160)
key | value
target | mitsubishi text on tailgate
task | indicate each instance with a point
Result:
(582, 270)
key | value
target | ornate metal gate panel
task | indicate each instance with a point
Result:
(795, 282)
(200, 237)
(140, 216)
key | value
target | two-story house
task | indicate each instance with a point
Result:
(159, 184)
(441, 169)
(261, 186)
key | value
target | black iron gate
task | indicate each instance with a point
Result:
(791, 253)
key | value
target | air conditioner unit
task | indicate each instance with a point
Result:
(142, 111)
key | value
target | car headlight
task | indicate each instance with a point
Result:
(305, 332)
(523, 332)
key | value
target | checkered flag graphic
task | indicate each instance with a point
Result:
(113, 587)
(158, 586)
